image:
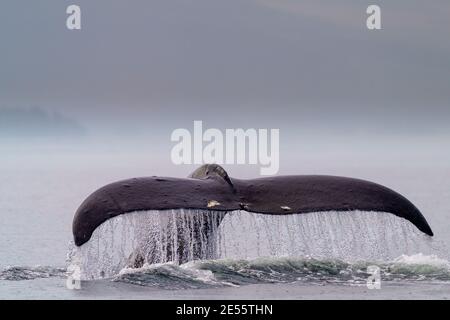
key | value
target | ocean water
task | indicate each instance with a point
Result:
(249, 256)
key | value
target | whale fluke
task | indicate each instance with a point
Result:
(209, 188)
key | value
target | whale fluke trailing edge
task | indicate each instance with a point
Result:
(209, 188)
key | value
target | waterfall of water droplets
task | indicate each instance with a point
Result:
(147, 237)
(348, 236)
(154, 237)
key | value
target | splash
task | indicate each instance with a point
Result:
(148, 237)
(164, 240)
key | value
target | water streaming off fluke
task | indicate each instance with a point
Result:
(146, 238)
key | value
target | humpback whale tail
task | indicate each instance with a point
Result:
(209, 193)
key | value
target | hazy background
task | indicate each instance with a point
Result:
(340, 94)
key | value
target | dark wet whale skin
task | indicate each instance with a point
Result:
(271, 195)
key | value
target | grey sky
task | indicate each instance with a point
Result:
(248, 63)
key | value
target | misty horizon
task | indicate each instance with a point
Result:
(137, 72)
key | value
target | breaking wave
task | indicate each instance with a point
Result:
(222, 273)
(229, 272)
(144, 248)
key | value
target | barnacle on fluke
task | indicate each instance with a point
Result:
(210, 188)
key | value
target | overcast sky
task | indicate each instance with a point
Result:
(295, 65)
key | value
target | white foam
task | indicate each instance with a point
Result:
(421, 259)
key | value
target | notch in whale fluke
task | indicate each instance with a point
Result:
(210, 188)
